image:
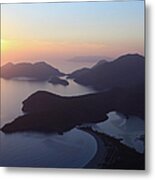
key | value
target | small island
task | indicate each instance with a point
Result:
(56, 80)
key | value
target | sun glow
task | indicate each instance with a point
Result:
(73, 30)
(4, 44)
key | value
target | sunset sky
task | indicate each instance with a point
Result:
(60, 31)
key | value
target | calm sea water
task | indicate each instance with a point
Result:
(73, 149)
(128, 130)
(13, 92)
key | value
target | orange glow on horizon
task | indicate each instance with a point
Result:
(18, 50)
(57, 32)
(52, 51)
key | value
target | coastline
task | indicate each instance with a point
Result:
(111, 154)
(100, 154)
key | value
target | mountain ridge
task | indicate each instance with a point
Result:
(125, 71)
(40, 71)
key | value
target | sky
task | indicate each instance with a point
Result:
(56, 32)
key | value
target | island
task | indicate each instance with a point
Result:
(56, 81)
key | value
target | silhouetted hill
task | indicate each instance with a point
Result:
(39, 71)
(83, 71)
(78, 73)
(99, 63)
(125, 71)
(47, 112)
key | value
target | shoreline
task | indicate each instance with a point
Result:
(116, 155)
(99, 156)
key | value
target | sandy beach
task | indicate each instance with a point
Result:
(111, 154)
(101, 152)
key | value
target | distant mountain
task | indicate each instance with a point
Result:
(38, 71)
(87, 59)
(83, 71)
(125, 71)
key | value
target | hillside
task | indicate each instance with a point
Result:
(125, 71)
(39, 71)
(47, 112)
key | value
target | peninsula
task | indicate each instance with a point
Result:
(50, 113)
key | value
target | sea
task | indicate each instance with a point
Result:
(73, 149)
